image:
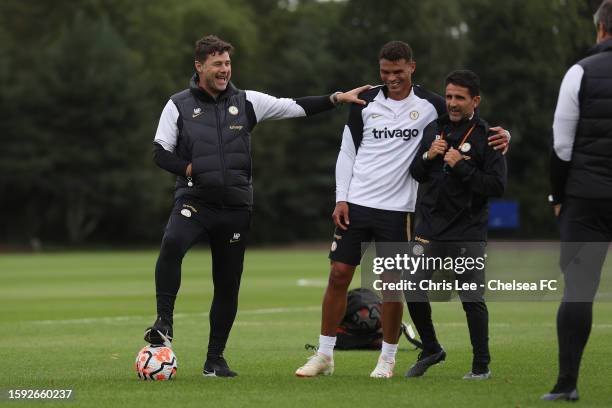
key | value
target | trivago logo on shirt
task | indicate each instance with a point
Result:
(405, 134)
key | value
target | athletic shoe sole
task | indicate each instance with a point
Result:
(477, 377)
(155, 337)
(420, 367)
(561, 396)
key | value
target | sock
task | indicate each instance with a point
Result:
(326, 345)
(388, 351)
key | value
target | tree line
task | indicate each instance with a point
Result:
(83, 84)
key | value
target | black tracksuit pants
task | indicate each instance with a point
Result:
(473, 302)
(586, 231)
(227, 231)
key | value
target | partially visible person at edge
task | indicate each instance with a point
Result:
(375, 194)
(581, 178)
(203, 137)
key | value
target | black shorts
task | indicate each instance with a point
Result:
(367, 225)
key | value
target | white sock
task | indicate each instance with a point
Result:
(388, 351)
(326, 345)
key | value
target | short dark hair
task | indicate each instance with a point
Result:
(466, 79)
(210, 45)
(603, 15)
(395, 51)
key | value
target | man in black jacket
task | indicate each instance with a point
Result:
(581, 176)
(458, 172)
(203, 137)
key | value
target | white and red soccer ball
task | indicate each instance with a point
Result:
(156, 363)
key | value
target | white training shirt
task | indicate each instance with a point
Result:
(373, 167)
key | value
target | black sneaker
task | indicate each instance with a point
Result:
(217, 367)
(424, 362)
(554, 395)
(155, 334)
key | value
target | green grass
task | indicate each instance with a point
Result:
(75, 320)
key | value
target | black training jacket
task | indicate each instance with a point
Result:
(453, 202)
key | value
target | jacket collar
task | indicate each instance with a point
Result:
(205, 96)
(445, 119)
(385, 91)
(601, 47)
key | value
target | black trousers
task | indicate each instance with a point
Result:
(586, 231)
(472, 301)
(227, 231)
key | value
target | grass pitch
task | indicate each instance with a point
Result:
(75, 320)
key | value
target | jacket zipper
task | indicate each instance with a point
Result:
(221, 157)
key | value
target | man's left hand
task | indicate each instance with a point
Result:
(352, 96)
(452, 157)
(500, 140)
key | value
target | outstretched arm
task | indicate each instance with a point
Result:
(267, 107)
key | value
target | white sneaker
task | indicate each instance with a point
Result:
(472, 376)
(316, 364)
(384, 369)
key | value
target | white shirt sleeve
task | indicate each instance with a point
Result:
(567, 113)
(344, 165)
(270, 107)
(167, 129)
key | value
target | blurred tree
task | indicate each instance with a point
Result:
(83, 110)
(432, 28)
(294, 159)
(81, 151)
(521, 64)
(84, 81)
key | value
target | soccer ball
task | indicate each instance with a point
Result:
(367, 318)
(156, 363)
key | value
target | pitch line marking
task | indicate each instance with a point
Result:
(317, 283)
(277, 310)
(112, 319)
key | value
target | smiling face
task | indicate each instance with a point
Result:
(214, 72)
(459, 103)
(397, 76)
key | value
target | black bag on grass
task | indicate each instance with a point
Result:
(361, 327)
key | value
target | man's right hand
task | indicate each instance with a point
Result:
(438, 147)
(341, 215)
(352, 96)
